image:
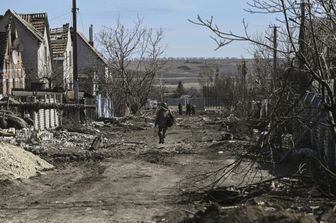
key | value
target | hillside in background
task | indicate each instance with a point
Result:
(187, 70)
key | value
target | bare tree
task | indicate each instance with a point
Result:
(134, 60)
(307, 42)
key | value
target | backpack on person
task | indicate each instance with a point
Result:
(170, 120)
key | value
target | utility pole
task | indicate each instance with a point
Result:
(302, 33)
(74, 49)
(243, 79)
(275, 58)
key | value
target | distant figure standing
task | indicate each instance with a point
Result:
(193, 112)
(180, 109)
(188, 109)
(163, 120)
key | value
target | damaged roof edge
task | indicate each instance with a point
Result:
(59, 45)
(47, 27)
(29, 26)
(32, 29)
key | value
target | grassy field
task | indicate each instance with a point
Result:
(188, 70)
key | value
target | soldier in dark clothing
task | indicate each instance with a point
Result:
(188, 109)
(180, 109)
(193, 110)
(163, 120)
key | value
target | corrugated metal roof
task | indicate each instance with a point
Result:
(59, 39)
(3, 46)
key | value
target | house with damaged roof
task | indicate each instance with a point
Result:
(28, 46)
(45, 56)
(91, 64)
(61, 46)
(33, 42)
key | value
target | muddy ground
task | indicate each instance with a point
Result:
(131, 178)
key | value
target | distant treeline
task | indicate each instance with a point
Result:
(191, 59)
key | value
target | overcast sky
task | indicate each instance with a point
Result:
(183, 39)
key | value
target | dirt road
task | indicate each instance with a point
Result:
(131, 178)
(138, 180)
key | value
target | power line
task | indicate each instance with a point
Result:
(60, 16)
(81, 20)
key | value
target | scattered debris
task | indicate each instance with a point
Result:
(44, 136)
(6, 133)
(226, 136)
(8, 120)
(249, 214)
(217, 138)
(96, 143)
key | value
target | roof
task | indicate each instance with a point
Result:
(37, 24)
(59, 39)
(38, 20)
(28, 25)
(3, 44)
(85, 40)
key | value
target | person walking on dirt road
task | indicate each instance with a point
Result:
(163, 120)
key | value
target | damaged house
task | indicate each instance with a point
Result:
(62, 57)
(12, 71)
(28, 48)
(37, 67)
(33, 38)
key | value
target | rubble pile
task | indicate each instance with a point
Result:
(129, 122)
(93, 141)
(18, 163)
